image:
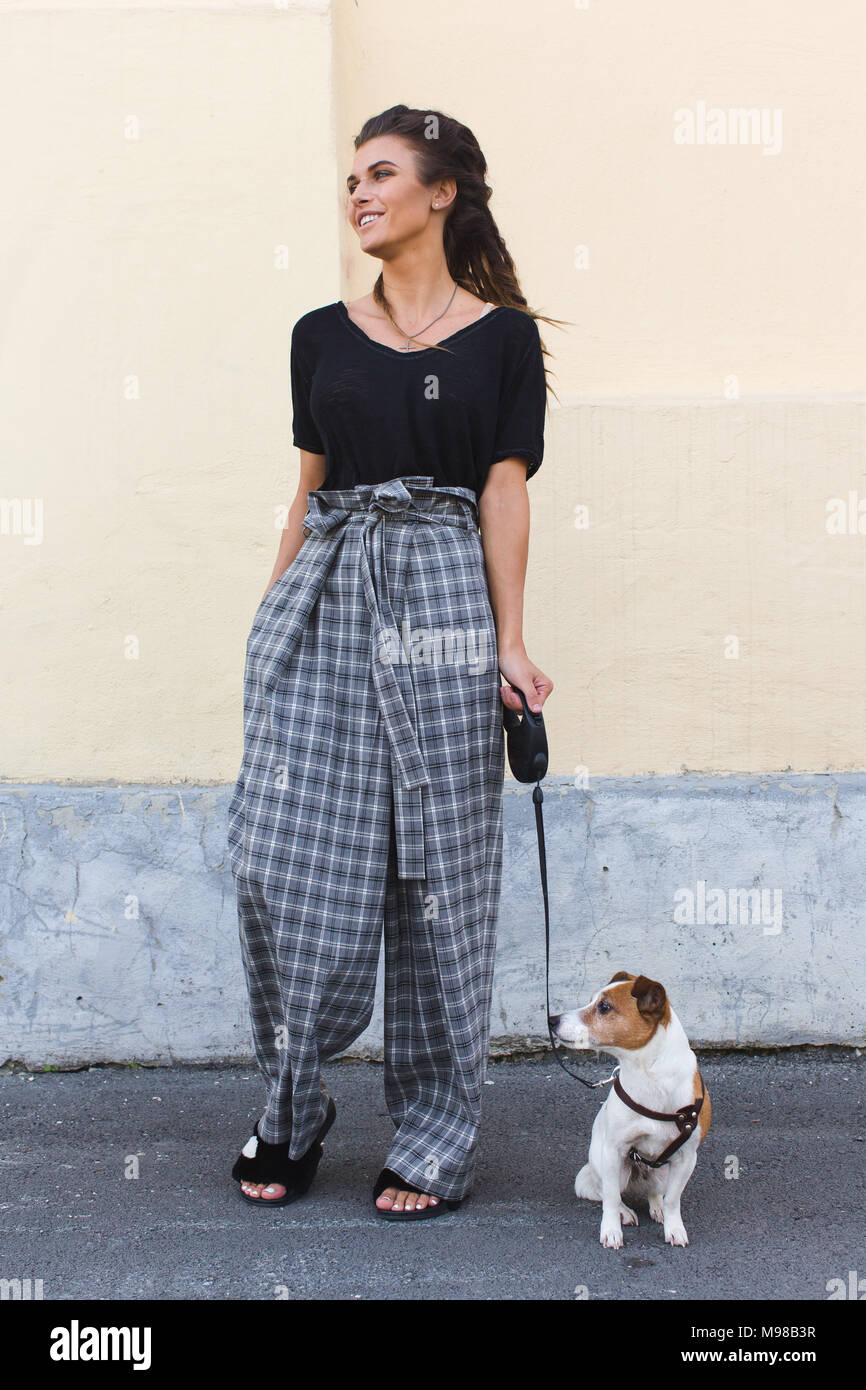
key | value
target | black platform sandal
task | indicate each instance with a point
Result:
(388, 1178)
(270, 1163)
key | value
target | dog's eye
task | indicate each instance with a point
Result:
(603, 1006)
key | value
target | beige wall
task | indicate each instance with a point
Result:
(173, 179)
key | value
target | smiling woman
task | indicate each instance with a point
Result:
(371, 788)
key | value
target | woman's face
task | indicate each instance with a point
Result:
(384, 187)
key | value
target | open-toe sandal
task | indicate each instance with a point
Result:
(388, 1178)
(270, 1163)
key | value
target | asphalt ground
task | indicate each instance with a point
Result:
(775, 1209)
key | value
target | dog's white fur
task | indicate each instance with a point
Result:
(659, 1070)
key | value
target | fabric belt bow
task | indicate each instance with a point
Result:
(395, 692)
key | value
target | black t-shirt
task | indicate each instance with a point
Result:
(378, 413)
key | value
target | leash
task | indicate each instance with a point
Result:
(526, 743)
(538, 797)
(527, 757)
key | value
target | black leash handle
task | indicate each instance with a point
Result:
(527, 757)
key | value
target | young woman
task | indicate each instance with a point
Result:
(370, 793)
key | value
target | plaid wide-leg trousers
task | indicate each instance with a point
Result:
(369, 803)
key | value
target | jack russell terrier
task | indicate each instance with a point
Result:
(645, 1137)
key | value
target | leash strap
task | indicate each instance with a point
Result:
(538, 797)
(686, 1118)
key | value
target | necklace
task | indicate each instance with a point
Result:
(427, 325)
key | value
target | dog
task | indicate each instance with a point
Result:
(631, 1018)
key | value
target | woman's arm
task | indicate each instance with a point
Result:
(503, 512)
(292, 536)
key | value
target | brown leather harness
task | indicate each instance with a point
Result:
(685, 1119)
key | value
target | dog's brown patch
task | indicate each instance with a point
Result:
(706, 1109)
(623, 1017)
(620, 975)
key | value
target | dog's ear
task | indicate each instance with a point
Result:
(650, 996)
(620, 975)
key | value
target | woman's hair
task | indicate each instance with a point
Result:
(476, 255)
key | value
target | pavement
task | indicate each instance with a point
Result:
(774, 1210)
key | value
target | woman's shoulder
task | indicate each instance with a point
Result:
(519, 321)
(519, 336)
(312, 335)
(518, 328)
(314, 320)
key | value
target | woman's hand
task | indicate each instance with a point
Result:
(517, 669)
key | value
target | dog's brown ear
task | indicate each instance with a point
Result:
(620, 975)
(650, 996)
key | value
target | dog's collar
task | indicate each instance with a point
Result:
(685, 1119)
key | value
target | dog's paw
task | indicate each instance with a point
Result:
(675, 1233)
(656, 1209)
(611, 1236)
(627, 1216)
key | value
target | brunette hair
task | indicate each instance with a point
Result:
(477, 257)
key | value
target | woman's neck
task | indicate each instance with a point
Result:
(416, 296)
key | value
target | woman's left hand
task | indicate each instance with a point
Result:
(517, 669)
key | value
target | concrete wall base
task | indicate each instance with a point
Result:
(743, 895)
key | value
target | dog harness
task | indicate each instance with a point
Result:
(685, 1119)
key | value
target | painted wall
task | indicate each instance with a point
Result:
(175, 175)
(174, 181)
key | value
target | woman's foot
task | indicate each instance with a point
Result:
(396, 1199)
(272, 1191)
(258, 1156)
(267, 1191)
